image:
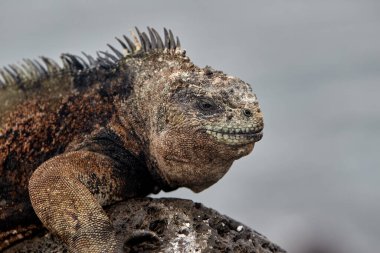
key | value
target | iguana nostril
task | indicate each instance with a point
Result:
(247, 113)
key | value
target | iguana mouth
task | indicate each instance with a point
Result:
(236, 135)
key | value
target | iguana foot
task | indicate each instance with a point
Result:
(142, 240)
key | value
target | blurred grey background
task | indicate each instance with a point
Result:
(315, 66)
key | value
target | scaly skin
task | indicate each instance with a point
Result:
(150, 121)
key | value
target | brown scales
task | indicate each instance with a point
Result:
(40, 133)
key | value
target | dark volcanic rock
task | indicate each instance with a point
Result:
(168, 225)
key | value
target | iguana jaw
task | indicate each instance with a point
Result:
(192, 158)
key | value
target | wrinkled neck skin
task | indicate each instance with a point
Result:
(163, 116)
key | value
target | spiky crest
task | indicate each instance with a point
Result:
(30, 71)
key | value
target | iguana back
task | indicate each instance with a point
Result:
(44, 107)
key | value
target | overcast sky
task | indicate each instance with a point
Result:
(315, 67)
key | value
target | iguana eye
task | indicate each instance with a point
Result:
(206, 105)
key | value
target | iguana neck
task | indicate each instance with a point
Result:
(136, 143)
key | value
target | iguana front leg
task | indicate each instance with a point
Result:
(67, 193)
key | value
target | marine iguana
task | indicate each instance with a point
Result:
(94, 131)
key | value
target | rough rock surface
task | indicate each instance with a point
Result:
(168, 225)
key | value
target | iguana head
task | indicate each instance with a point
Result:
(196, 121)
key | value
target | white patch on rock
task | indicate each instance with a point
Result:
(188, 240)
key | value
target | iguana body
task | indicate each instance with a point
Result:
(89, 134)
